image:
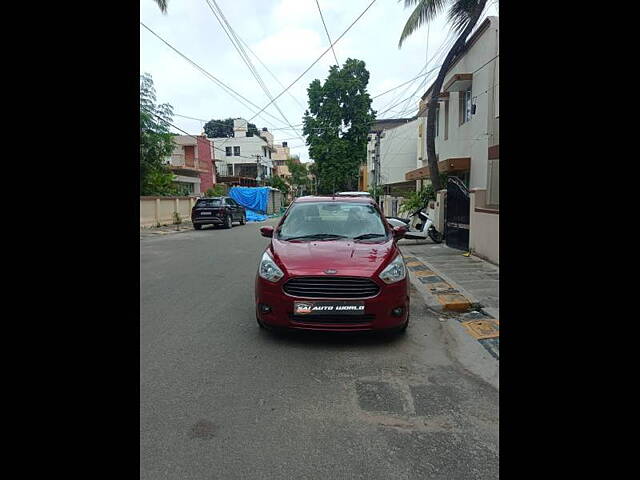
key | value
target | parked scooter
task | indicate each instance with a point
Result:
(424, 226)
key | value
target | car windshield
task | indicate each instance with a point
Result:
(331, 220)
(209, 202)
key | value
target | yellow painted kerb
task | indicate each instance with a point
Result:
(454, 302)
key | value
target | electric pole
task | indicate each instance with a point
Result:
(258, 167)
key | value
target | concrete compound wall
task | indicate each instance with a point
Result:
(484, 228)
(160, 210)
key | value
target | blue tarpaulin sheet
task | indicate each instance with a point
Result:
(253, 199)
(255, 216)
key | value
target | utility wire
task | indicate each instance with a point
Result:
(188, 134)
(272, 74)
(243, 54)
(211, 77)
(222, 123)
(327, 31)
(316, 60)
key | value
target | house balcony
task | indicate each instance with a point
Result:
(450, 165)
(181, 166)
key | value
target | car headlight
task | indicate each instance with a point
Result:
(395, 271)
(268, 268)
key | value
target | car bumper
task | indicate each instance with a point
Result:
(207, 220)
(377, 311)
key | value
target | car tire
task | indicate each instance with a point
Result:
(196, 226)
(228, 222)
(260, 324)
(243, 220)
(403, 329)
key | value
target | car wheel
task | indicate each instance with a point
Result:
(196, 226)
(403, 329)
(228, 222)
(243, 220)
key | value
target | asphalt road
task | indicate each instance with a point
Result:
(222, 399)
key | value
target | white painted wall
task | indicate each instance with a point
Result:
(472, 138)
(398, 150)
(249, 147)
(484, 229)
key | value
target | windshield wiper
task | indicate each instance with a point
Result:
(315, 236)
(369, 235)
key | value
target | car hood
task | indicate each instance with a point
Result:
(345, 256)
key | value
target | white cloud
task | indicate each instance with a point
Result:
(293, 46)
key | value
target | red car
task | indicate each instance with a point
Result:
(333, 265)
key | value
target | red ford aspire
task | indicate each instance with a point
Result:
(333, 265)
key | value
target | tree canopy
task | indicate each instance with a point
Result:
(156, 142)
(337, 123)
(299, 173)
(224, 128)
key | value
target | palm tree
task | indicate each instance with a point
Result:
(463, 16)
(163, 5)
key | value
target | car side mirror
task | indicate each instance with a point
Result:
(399, 232)
(266, 231)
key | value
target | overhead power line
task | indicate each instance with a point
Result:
(211, 77)
(189, 135)
(272, 74)
(327, 31)
(316, 60)
(222, 20)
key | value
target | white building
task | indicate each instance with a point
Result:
(240, 155)
(383, 141)
(467, 134)
(398, 150)
(391, 152)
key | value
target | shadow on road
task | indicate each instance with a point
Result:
(323, 340)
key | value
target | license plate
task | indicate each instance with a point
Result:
(328, 308)
(205, 213)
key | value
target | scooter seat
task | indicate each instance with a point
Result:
(405, 220)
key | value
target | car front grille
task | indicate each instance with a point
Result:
(331, 287)
(334, 319)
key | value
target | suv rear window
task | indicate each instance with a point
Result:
(209, 202)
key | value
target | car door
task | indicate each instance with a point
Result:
(234, 208)
(238, 209)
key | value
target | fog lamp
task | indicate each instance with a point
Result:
(397, 312)
(264, 308)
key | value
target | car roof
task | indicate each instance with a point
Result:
(355, 194)
(333, 198)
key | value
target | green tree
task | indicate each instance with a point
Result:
(337, 123)
(463, 16)
(217, 191)
(224, 128)
(156, 142)
(162, 4)
(279, 183)
(299, 174)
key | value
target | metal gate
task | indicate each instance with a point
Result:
(457, 214)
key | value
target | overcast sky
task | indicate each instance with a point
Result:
(287, 36)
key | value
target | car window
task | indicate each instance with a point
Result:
(232, 202)
(345, 219)
(209, 202)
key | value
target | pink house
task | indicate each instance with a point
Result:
(192, 162)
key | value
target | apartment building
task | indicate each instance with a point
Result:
(245, 156)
